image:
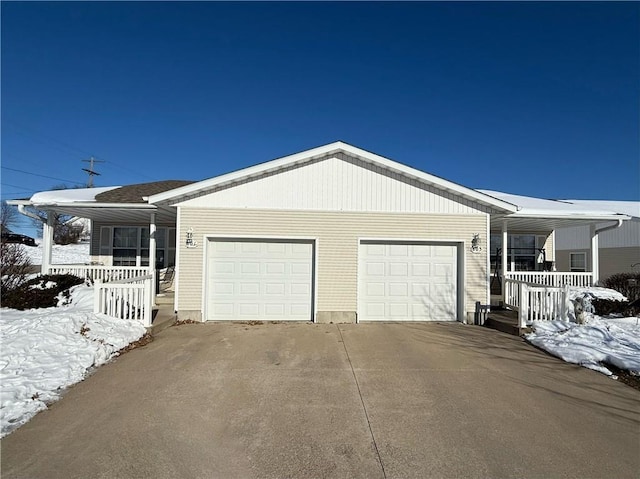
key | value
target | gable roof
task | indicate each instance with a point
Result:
(203, 187)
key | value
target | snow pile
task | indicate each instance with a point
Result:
(595, 292)
(600, 341)
(61, 254)
(47, 350)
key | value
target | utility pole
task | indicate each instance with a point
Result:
(91, 171)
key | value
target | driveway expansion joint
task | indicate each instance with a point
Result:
(364, 407)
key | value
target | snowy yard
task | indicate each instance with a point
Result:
(597, 342)
(47, 350)
(67, 254)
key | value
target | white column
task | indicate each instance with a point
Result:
(152, 253)
(47, 238)
(595, 255)
(505, 242)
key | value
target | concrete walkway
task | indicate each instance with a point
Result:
(349, 401)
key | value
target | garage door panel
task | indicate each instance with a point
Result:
(256, 279)
(398, 289)
(400, 282)
(421, 269)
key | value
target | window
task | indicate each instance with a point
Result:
(125, 246)
(129, 245)
(524, 252)
(578, 262)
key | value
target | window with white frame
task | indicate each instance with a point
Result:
(578, 262)
(129, 245)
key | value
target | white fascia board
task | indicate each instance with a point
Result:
(575, 216)
(335, 147)
(92, 205)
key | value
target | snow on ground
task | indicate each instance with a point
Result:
(598, 342)
(62, 254)
(47, 350)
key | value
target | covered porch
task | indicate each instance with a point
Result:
(524, 282)
(129, 265)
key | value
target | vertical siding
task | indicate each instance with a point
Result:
(337, 237)
(337, 183)
(579, 237)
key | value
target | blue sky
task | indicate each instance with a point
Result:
(537, 98)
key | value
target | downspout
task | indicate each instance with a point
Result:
(23, 211)
(595, 251)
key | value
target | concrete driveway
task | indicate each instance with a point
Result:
(305, 400)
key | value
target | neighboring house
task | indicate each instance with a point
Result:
(83, 225)
(619, 247)
(331, 234)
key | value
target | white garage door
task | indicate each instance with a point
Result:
(407, 282)
(259, 280)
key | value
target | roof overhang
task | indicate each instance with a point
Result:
(115, 213)
(203, 187)
(546, 224)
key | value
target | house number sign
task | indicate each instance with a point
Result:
(190, 242)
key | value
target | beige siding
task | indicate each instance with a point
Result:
(612, 260)
(336, 183)
(337, 237)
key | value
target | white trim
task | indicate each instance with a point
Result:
(176, 266)
(570, 216)
(488, 253)
(460, 267)
(314, 153)
(208, 238)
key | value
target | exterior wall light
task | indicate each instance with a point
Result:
(475, 243)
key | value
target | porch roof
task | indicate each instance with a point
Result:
(111, 204)
(541, 215)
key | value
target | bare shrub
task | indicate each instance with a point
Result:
(14, 266)
(65, 233)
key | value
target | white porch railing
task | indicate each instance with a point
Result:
(125, 299)
(99, 272)
(552, 278)
(536, 302)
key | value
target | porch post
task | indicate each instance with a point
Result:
(47, 238)
(152, 255)
(595, 256)
(505, 242)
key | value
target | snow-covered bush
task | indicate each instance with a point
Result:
(626, 283)
(44, 291)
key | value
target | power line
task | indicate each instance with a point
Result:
(69, 147)
(22, 188)
(42, 176)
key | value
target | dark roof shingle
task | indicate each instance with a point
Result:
(134, 193)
